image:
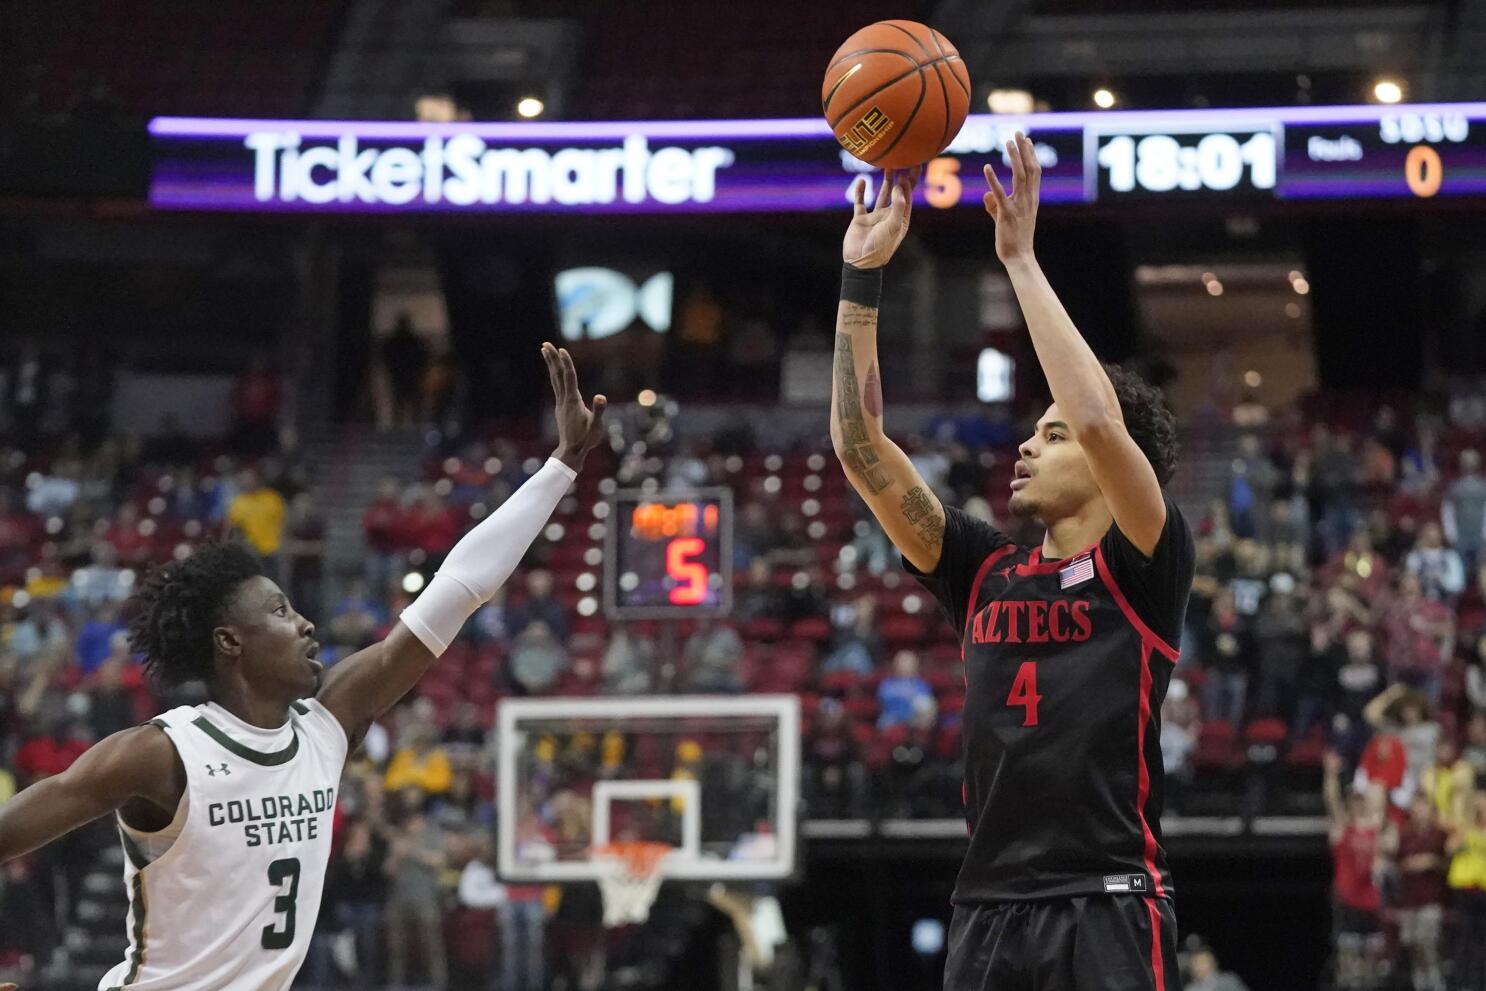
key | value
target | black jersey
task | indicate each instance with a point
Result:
(1066, 666)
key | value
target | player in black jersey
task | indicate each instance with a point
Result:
(1068, 646)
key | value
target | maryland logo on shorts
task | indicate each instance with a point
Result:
(866, 132)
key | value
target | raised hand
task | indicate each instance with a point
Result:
(579, 429)
(1015, 214)
(874, 236)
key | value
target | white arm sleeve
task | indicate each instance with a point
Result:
(485, 557)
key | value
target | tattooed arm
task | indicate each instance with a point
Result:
(876, 467)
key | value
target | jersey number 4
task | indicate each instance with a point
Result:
(280, 871)
(1024, 692)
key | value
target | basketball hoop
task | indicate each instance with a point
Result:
(632, 880)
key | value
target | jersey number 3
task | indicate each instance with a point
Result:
(280, 871)
(1024, 692)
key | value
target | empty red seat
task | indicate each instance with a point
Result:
(1307, 753)
(902, 630)
(840, 682)
(944, 682)
(784, 677)
(762, 628)
(878, 754)
(590, 624)
(1217, 730)
(1264, 740)
(810, 628)
(439, 692)
(1266, 731)
(947, 653)
(1217, 749)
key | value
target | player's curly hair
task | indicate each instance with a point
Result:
(1147, 419)
(178, 604)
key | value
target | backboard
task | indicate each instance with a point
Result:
(715, 777)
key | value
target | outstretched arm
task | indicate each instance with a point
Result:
(368, 683)
(1331, 791)
(1375, 713)
(135, 769)
(908, 509)
(1077, 381)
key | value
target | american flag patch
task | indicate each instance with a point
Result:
(1076, 573)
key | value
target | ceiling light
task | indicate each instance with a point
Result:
(1009, 101)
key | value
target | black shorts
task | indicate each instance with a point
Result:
(1088, 943)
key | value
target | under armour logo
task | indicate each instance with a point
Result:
(211, 769)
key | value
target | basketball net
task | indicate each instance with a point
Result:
(632, 880)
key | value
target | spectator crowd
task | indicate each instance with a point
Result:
(1333, 662)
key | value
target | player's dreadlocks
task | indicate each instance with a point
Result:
(1150, 424)
(173, 613)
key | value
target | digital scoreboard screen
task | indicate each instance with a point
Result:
(669, 555)
(771, 166)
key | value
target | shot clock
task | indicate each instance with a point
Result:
(669, 555)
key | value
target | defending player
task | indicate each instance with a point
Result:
(1068, 646)
(224, 809)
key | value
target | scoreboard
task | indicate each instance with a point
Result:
(669, 555)
(1420, 151)
(1232, 155)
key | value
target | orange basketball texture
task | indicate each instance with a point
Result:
(896, 93)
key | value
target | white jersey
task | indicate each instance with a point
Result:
(225, 898)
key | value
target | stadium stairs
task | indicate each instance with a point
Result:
(91, 931)
(349, 462)
(379, 60)
(1205, 470)
(393, 49)
(1460, 38)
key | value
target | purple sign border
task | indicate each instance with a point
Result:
(205, 127)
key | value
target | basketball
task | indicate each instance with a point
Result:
(895, 94)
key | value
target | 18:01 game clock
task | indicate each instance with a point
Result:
(1184, 162)
(669, 555)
